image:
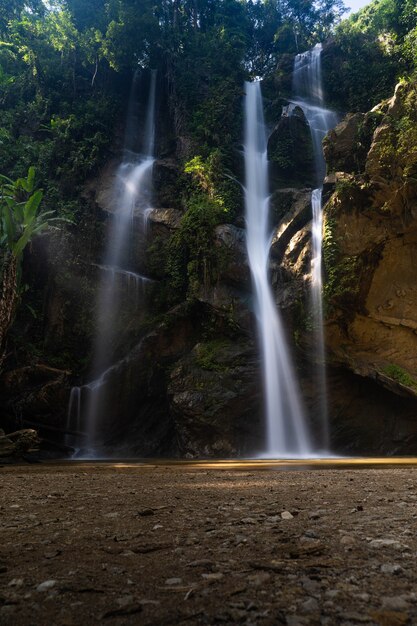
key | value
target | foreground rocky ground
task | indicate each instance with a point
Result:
(91, 544)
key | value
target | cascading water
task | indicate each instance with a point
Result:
(287, 432)
(131, 201)
(308, 95)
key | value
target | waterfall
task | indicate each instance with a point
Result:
(308, 95)
(131, 200)
(73, 415)
(287, 432)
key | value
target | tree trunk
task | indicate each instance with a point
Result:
(8, 301)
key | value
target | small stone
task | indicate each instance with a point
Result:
(111, 515)
(348, 541)
(146, 512)
(311, 586)
(287, 515)
(16, 582)
(125, 600)
(213, 576)
(310, 606)
(363, 596)
(388, 568)
(201, 563)
(395, 603)
(51, 554)
(258, 580)
(173, 581)
(314, 515)
(311, 534)
(386, 543)
(46, 585)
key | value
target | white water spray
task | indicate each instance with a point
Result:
(132, 194)
(287, 432)
(308, 92)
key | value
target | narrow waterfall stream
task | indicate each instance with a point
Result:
(132, 195)
(308, 95)
(287, 433)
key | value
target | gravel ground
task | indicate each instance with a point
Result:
(161, 545)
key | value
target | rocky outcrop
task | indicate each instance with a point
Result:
(174, 394)
(214, 398)
(290, 150)
(17, 444)
(370, 254)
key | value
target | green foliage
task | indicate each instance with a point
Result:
(372, 49)
(396, 150)
(342, 283)
(212, 177)
(20, 219)
(193, 260)
(401, 376)
(207, 355)
(361, 71)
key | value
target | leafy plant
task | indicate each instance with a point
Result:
(401, 376)
(20, 221)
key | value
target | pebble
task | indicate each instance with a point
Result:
(146, 512)
(348, 541)
(395, 603)
(46, 585)
(286, 515)
(125, 600)
(314, 515)
(213, 576)
(173, 581)
(310, 606)
(386, 543)
(388, 568)
(311, 534)
(16, 582)
(258, 580)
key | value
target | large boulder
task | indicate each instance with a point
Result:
(215, 398)
(290, 150)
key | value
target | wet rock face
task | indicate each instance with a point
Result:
(215, 399)
(14, 445)
(370, 254)
(290, 151)
(341, 145)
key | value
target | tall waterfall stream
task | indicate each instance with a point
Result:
(308, 95)
(131, 193)
(287, 431)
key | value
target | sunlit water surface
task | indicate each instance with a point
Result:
(241, 464)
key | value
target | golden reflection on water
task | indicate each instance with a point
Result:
(268, 464)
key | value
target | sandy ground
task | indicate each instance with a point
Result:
(98, 544)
